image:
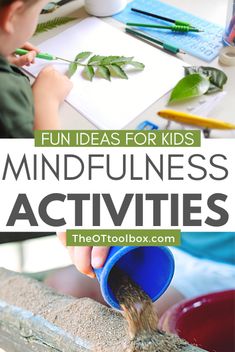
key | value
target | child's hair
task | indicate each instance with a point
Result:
(8, 2)
(5, 2)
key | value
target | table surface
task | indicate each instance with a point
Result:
(214, 11)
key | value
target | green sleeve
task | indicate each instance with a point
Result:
(16, 106)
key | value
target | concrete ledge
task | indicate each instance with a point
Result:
(35, 318)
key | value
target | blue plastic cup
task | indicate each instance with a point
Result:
(152, 268)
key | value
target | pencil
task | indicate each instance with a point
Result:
(170, 48)
(195, 120)
(177, 22)
(175, 28)
(43, 56)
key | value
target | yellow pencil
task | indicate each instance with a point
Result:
(195, 120)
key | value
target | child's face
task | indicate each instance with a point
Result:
(26, 22)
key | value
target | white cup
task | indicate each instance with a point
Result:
(103, 8)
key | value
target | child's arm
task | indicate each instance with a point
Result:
(49, 90)
(86, 258)
(25, 59)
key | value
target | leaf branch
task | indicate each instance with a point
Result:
(51, 24)
(103, 66)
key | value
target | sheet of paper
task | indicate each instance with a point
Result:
(112, 105)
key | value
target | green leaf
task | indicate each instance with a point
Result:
(83, 56)
(103, 72)
(88, 72)
(216, 77)
(72, 69)
(137, 65)
(110, 59)
(193, 85)
(96, 60)
(121, 60)
(118, 71)
(56, 22)
(189, 70)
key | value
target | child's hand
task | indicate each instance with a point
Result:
(86, 258)
(49, 91)
(52, 86)
(27, 59)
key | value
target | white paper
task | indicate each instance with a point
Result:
(112, 105)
